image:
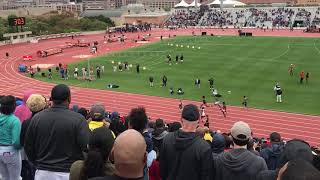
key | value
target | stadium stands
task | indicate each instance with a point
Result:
(184, 18)
(316, 19)
(268, 17)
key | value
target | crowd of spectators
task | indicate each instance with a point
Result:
(46, 139)
(282, 17)
(185, 18)
(316, 20)
(257, 15)
(304, 16)
(131, 28)
(217, 18)
(252, 17)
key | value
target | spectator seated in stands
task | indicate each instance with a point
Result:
(271, 154)
(239, 163)
(97, 162)
(129, 157)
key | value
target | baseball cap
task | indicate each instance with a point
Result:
(97, 111)
(241, 131)
(36, 102)
(190, 112)
(275, 137)
(60, 92)
(159, 123)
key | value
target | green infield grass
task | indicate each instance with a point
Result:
(239, 66)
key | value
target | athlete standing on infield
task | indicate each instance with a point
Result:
(245, 101)
(290, 69)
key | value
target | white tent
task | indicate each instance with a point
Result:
(193, 4)
(228, 2)
(181, 4)
(238, 3)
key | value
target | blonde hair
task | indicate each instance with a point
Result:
(36, 102)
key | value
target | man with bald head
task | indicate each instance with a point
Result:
(129, 156)
(184, 155)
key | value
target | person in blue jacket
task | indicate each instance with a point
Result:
(10, 127)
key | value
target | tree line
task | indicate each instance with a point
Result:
(57, 23)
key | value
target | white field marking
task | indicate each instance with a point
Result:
(284, 53)
(315, 46)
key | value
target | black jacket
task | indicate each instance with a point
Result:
(157, 137)
(56, 138)
(272, 155)
(195, 159)
(238, 164)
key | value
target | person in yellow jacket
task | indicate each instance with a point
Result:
(97, 117)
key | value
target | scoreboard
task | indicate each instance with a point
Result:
(17, 21)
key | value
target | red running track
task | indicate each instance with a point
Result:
(263, 122)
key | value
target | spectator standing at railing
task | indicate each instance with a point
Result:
(22, 111)
(35, 103)
(184, 155)
(97, 161)
(239, 163)
(10, 126)
(56, 137)
(138, 121)
(271, 154)
(129, 157)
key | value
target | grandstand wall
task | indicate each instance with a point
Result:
(158, 19)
